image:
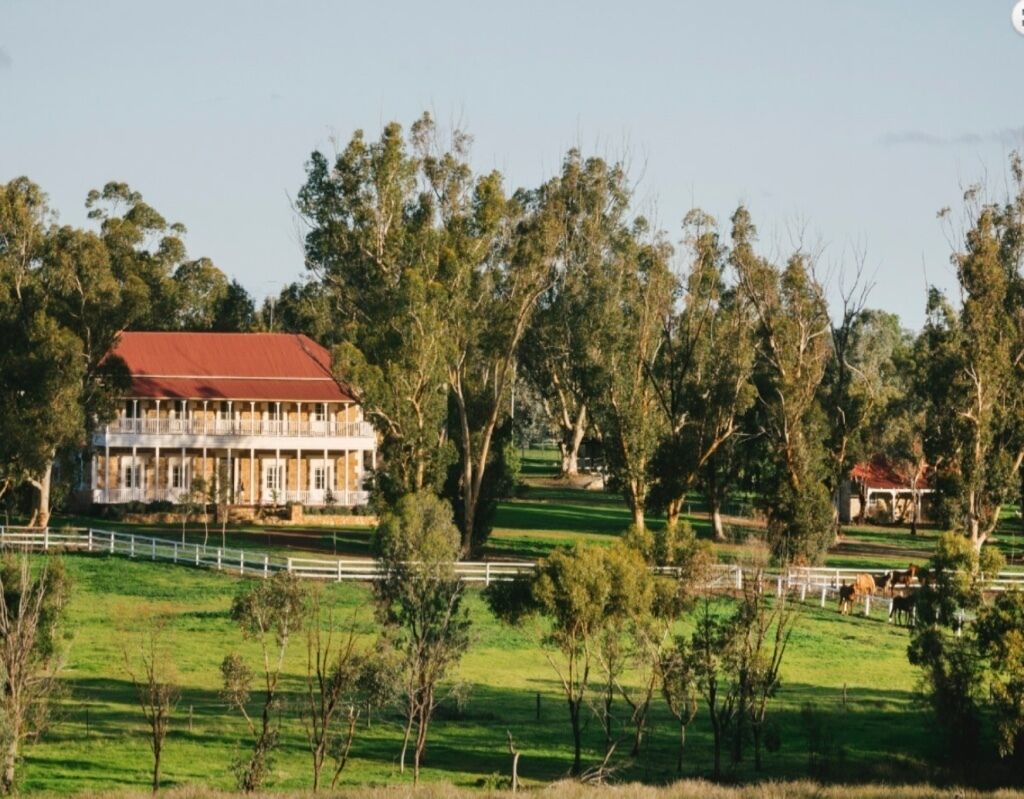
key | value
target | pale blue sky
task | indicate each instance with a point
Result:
(857, 120)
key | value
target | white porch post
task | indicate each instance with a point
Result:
(156, 472)
(345, 470)
(186, 478)
(277, 413)
(252, 420)
(298, 418)
(277, 466)
(92, 479)
(135, 483)
(203, 472)
(298, 473)
(231, 421)
(204, 429)
(230, 472)
(106, 473)
(158, 419)
(253, 495)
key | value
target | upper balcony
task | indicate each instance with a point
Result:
(236, 432)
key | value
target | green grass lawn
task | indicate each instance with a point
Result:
(99, 743)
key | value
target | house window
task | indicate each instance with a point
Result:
(274, 478)
(320, 412)
(319, 478)
(177, 476)
(131, 476)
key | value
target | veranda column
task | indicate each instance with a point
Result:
(204, 429)
(230, 471)
(298, 419)
(92, 479)
(158, 421)
(298, 473)
(134, 481)
(186, 478)
(204, 459)
(106, 473)
(277, 463)
(252, 476)
(345, 470)
(252, 420)
(156, 471)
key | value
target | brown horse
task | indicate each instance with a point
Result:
(847, 593)
(863, 584)
(905, 578)
(883, 582)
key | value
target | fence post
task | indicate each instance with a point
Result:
(218, 558)
(778, 586)
(739, 577)
(889, 620)
(487, 573)
(289, 565)
(803, 591)
(824, 591)
(241, 562)
(89, 544)
(111, 543)
(175, 546)
(836, 584)
(339, 571)
(197, 554)
(131, 546)
(152, 548)
(867, 604)
(266, 566)
(46, 539)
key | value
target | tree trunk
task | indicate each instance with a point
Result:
(673, 511)
(571, 441)
(156, 768)
(41, 508)
(756, 729)
(717, 527)
(682, 745)
(10, 763)
(716, 729)
(577, 737)
(405, 743)
(862, 495)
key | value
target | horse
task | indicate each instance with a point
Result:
(847, 593)
(905, 578)
(884, 582)
(863, 584)
(903, 608)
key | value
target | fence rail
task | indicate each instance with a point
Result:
(817, 584)
(239, 427)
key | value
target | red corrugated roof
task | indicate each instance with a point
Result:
(242, 366)
(879, 473)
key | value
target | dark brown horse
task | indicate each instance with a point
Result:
(903, 608)
(847, 593)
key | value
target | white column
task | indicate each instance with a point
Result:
(298, 418)
(229, 490)
(298, 470)
(278, 481)
(158, 416)
(345, 483)
(156, 473)
(186, 478)
(106, 473)
(92, 478)
(254, 495)
(252, 421)
(135, 413)
(231, 420)
(135, 483)
(204, 461)
(277, 410)
(204, 429)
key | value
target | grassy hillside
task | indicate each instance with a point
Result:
(99, 744)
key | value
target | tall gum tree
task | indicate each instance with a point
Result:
(976, 367)
(584, 208)
(792, 351)
(703, 376)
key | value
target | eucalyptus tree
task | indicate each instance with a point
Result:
(586, 206)
(792, 352)
(200, 288)
(703, 377)
(976, 367)
(434, 280)
(373, 243)
(634, 292)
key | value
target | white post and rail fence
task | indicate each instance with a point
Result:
(817, 584)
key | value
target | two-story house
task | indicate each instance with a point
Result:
(258, 415)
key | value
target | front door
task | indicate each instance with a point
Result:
(272, 481)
